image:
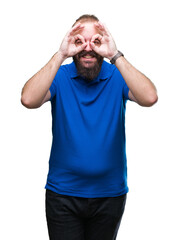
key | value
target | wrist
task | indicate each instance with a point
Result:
(60, 56)
(117, 55)
(57, 59)
(112, 55)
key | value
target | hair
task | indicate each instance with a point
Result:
(86, 18)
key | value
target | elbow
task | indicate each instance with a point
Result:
(25, 102)
(150, 100)
(28, 103)
(153, 98)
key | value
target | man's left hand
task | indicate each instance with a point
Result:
(106, 46)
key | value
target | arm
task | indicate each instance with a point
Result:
(141, 89)
(36, 90)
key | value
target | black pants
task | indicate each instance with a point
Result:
(77, 218)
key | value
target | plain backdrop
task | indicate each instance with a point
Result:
(147, 33)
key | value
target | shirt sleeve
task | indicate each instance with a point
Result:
(125, 91)
(53, 88)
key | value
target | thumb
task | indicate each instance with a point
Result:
(94, 47)
(81, 47)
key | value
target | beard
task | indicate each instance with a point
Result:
(88, 73)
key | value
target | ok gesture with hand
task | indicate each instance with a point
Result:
(68, 47)
(107, 47)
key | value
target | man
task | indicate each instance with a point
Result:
(87, 181)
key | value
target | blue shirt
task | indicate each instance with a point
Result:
(88, 154)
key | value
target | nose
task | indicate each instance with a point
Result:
(88, 47)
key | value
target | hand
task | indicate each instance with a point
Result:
(68, 46)
(107, 47)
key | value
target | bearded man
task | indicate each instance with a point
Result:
(86, 186)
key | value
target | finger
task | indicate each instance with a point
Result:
(81, 47)
(102, 28)
(75, 28)
(96, 37)
(101, 25)
(80, 37)
(94, 47)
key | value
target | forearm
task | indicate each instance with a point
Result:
(37, 86)
(140, 86)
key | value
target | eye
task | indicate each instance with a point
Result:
(78, 42)
(97, 42)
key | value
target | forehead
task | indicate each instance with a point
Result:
(89, 30)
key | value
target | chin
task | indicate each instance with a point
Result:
(88, 68)
(88, 64)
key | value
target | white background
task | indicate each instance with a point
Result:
(147, 33)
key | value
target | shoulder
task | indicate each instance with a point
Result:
(63, 71)
(69, 69)
(63, 68)
(112, 71)
(107, 70)
(108, 67)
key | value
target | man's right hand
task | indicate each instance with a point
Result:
(36, 90)
(68, 46)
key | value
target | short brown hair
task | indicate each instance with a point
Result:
(86, 18)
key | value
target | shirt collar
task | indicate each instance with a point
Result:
(104, 74)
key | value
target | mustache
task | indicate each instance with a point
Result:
(84, 53)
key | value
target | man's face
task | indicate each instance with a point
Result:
(88, 62)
